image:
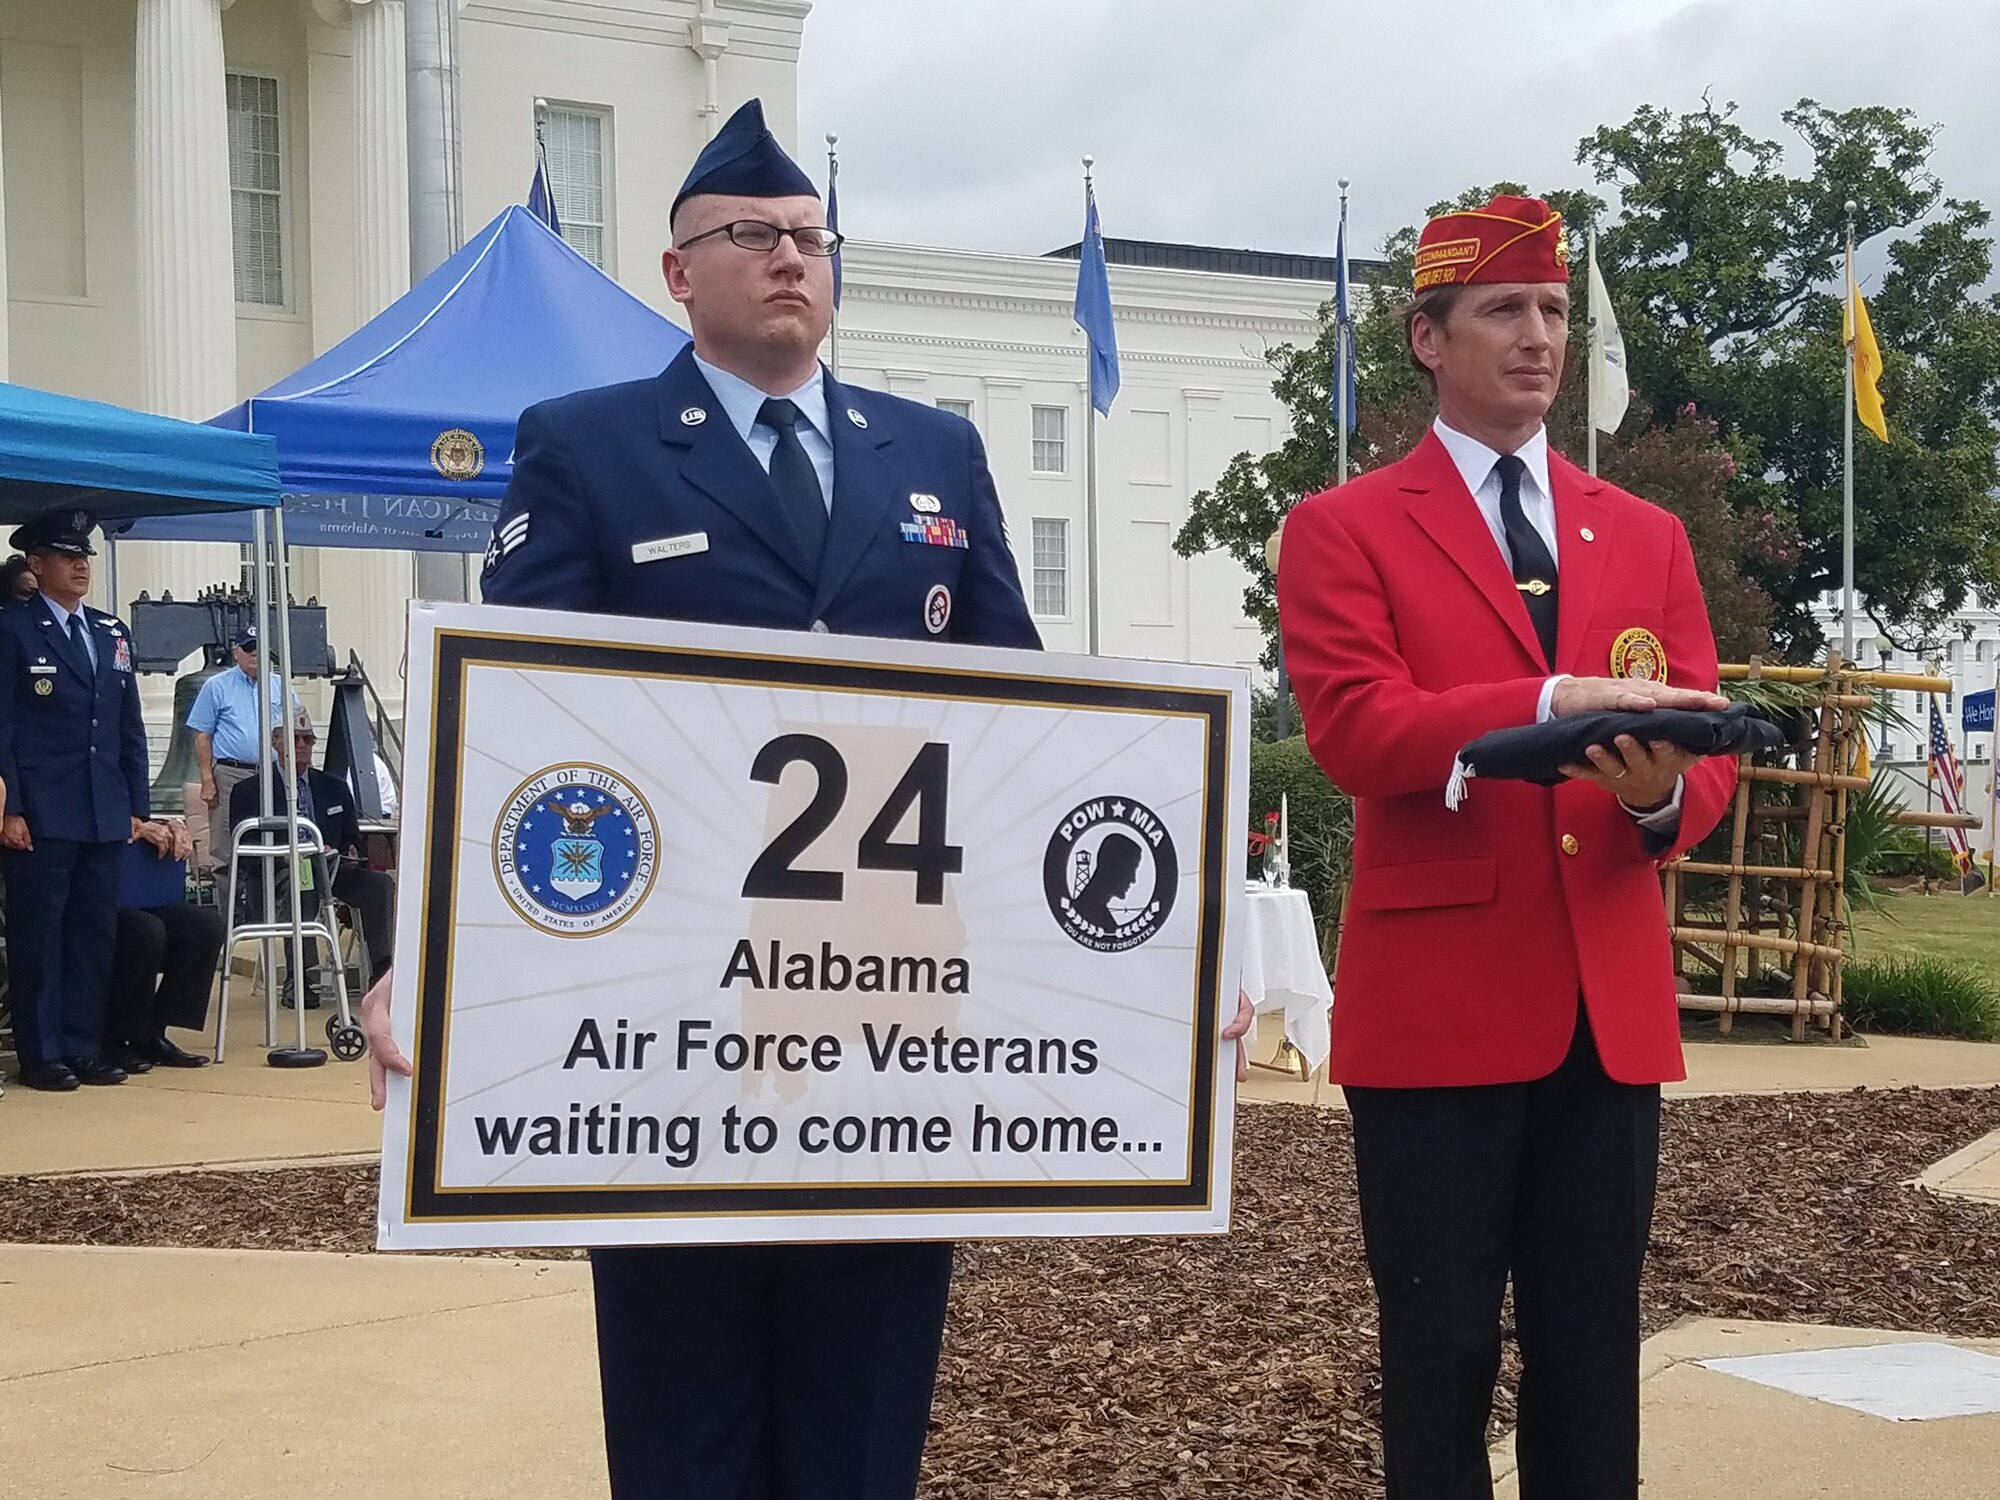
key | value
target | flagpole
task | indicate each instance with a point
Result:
(1343, 341)
(832, 182)
(1090, 447)
(1847, 489)
(1593, 334)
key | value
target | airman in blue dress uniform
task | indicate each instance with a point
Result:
(73, 760)
(745, 486)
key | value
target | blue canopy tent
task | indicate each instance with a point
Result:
(62, 450)
(401, 436)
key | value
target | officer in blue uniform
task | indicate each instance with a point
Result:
(745, 486)
(73, 759)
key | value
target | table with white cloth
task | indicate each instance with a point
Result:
(1282, 972)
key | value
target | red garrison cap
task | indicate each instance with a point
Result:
(1509, 240)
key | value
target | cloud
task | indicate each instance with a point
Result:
(962, 121)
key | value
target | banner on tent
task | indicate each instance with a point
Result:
(706, 939)
(398, 523)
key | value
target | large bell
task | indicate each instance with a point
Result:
(181, 766)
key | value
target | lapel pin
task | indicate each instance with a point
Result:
(1589, 535)
(694, 416)
(856, 418)
(930, 505)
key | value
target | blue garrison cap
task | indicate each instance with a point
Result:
(745, 161)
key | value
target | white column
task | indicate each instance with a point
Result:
(3, 266)
(187, 289)
(187, 294)
(381, 158)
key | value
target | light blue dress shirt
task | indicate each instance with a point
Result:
(63, 617)
(742, 401)
(226, 710)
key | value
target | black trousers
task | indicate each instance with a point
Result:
(768, 1372)
(1552, 1181)
(162, 970)
(62, 900)
(372, 894)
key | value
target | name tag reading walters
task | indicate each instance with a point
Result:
(714, 935)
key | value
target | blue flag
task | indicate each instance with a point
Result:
(1343, 337)
(1093, 311)
(1976, 711)
(541, 200)
(833, 223)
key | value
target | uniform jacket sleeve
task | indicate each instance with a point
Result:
(990, 600)
(1372, 729)
(555, 563)
(10, 689)
(132, 747)
(1710, 783)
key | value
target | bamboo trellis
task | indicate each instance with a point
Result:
(1785, 877)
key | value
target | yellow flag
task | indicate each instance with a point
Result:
(1867, 357)
(1862, 767)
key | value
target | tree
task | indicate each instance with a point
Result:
(1684, 467)
(1726, 273)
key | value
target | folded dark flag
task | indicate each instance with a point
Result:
(1538, 752)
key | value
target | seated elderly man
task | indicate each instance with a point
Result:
(164, 958)
(328, 804)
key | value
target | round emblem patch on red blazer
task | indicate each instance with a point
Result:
(1638, 653)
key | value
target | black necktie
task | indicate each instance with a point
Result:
(1534, 569)
(795, 479)
(79, 637)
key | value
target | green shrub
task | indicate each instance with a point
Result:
(1918, 994)
(1322, 819)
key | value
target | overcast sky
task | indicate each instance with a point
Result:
(1227, 122)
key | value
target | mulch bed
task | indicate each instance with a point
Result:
(1246, 1365)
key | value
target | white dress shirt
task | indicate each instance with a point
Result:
(1478, 466)
(742, 401)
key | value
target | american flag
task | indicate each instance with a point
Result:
(1951, 788)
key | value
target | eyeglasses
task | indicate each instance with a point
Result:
(755, 234)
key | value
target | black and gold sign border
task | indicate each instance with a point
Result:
(428, 1201)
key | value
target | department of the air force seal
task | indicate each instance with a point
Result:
(575, 850)
(1110, 874)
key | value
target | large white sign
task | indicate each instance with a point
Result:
(726, 935)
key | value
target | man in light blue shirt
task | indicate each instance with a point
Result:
(226, 736)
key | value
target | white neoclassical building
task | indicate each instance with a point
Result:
(201, 195)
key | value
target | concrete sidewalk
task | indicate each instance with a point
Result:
(1883, 1062)
(242, 1111)
(191, 1374)
(1711, 1436)
(1971, 1173)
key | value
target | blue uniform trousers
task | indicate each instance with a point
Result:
(62, 919)
(768, 1372)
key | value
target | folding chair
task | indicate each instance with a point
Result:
(265, 840)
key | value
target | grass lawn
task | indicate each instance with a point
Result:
(1962, 928)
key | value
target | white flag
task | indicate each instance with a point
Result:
(1610, 390)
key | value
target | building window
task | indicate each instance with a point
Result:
(256, 189)
(956, 408)
(1051, 566)
(576, 141)
(1051, 440)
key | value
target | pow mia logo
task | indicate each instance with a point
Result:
(937, 609)
(1110, 874)
(574, 850)
(457, 454)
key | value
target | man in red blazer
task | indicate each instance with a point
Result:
(1505, 1008)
